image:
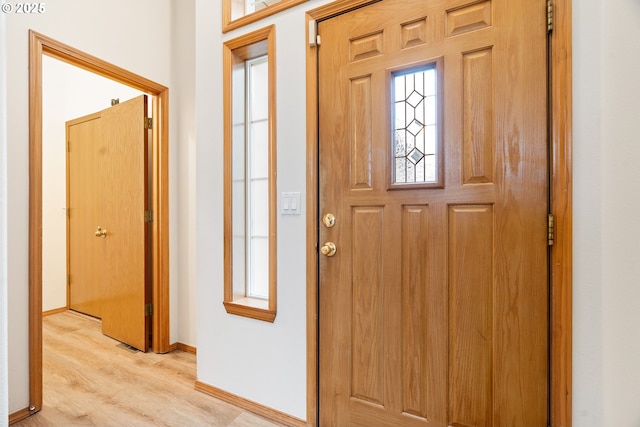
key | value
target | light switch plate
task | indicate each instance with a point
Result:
(290, 203)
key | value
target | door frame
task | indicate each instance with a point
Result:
(38, 46)
(560, 188)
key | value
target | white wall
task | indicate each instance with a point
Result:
(133, 35)
(183, 160)
(620, 144)
(587, 246)
(606, 72)
(4, 391)
(68, 92)
(260, 361)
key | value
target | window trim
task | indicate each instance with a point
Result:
(236, 52)
(228, 6)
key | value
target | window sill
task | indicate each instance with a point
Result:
(251, 307)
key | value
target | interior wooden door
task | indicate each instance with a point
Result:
(433, 161)
(108, 177)
(126, 191)
(85, 253)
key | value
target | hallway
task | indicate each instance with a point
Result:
(91, 379)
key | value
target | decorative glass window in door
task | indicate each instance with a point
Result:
(416, 134)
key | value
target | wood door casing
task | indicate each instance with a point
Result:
(445, 323)
(40, 45)
(85, 252)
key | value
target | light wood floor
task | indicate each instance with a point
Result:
(91, 380)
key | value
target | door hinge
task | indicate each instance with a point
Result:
(115, 101)
(68, 213)
(68, 146)
(68, 280)
(148, 310)
(148, 123)
(148, 216)
(550, 229)
(549, 16)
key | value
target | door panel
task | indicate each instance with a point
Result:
(470, 271)
(127, 195)
(433, 311)
(85, 252)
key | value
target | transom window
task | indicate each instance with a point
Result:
(236, 13)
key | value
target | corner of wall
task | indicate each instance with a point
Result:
(4, 380)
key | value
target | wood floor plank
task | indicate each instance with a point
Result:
(92, 380)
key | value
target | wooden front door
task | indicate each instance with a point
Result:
(433, 161)
(108, 194)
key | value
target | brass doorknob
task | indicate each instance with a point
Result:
(100, 232)
(328, 249)
(329, 220)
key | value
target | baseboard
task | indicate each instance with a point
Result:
(54, 311)
(264, 411)
(186, 348)
(19, 415)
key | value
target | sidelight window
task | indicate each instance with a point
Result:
(250, 217)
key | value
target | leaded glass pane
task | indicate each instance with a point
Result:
(415, 144)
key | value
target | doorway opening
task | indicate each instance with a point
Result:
(42, 45)
(70, 92)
